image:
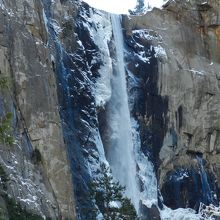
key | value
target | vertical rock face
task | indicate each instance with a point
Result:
(183, 38)
(53, 54)
(41, 183)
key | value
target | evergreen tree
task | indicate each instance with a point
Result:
(139, 8)
(108, 196)
(127, 210)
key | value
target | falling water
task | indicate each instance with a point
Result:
(120, 148)
(207, 195)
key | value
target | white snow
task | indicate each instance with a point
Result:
(184, 175)
(154, 38)
(205, 213)
(209, 212)
(120, 152)
(196, 72)
(122, 6)
(146, 172)
(4, 8)
(148, 34)
(55, 24)
(22, 180)
(114, 204)
(160, 53)
(179, 214)
(141, 56)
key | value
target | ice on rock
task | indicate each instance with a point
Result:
(146, 172)
(101, 33)
(56, 26)
(149, 4)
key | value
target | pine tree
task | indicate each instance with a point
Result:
(108, 196)
(139, 8)
(127, 210)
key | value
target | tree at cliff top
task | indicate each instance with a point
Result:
(139, 8)
(108, 196)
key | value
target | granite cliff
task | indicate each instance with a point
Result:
(181, 109)
(59, 96)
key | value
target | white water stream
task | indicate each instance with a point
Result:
(120, 152)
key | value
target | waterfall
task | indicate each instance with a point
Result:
(120, 147)
(207, 194)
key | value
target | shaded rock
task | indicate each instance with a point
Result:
(150, 213)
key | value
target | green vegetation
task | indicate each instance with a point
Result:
(16, 212)
(4, 178)
(4, 82)
(6, 131)
(108, 196)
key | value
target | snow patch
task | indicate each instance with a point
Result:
(114, 204)
(56, 26)
(160, 53)
(27, 192)
(148, 34)
(179, 214)
(196, 72)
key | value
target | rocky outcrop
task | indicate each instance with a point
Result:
(184, 39)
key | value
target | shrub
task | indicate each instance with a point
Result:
(16, 212)
(6, 131)
(4, 82)
(109, 197)
(4, 178)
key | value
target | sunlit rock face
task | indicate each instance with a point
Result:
(36, 164)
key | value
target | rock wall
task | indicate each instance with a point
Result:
(184, 104)
(53, 53)
(41, 184)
